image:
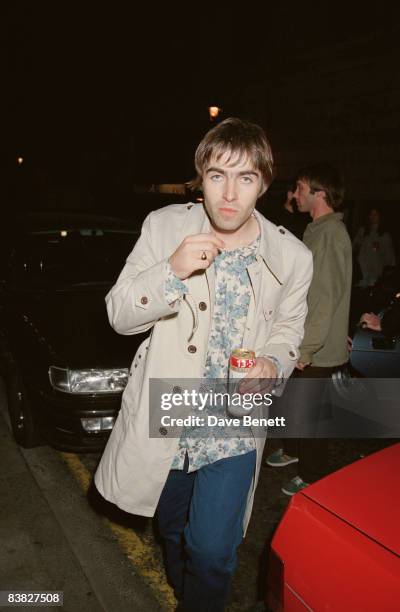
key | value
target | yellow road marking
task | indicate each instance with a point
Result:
(139, 553)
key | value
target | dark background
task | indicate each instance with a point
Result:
(103, 102)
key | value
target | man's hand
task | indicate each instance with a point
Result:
(189, 256)
(370, 320)
(300, 365)
(261, 377)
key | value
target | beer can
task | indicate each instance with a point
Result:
(240, 361)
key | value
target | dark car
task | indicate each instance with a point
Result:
(64, 367)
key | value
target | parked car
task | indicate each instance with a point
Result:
(64, 366)
(337, 547)
(375, 355)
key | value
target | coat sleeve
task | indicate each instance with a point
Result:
(331, 261)
(288, 328)
(138, 298)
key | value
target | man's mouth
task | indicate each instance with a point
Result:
(228, 211)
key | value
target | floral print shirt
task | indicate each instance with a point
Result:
(232, 298)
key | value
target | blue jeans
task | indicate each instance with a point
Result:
(200, 517)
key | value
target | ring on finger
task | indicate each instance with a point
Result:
(204, 256)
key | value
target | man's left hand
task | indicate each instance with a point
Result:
(300, 365)
(261, 377)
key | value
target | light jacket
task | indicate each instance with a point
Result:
(326, 328)
(135, 466)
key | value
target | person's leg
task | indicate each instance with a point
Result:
(313, 459)
(291, 447)
(283, 407)
(215, 530)
(312, 451)
(172, 515)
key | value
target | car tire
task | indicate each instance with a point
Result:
(22, 420)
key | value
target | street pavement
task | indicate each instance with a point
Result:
(51, 540)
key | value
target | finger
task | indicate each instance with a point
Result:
(254, 372)
(199, 247)
(202, 264)
(259, 385)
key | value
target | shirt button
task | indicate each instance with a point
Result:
(144, 300)
(203, 306)
(282, 231)
(177, 389)
(292, 353)
(192, 348)
(163, 431)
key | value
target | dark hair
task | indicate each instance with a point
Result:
(324, 177)
(240, 139)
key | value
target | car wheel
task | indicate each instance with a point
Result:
(20, 410)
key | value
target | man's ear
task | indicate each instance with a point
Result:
(264, 188)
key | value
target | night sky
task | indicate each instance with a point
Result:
(87, 86)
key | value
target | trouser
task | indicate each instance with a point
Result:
(307, 401)
(200, 517)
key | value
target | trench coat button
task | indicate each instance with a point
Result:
(144, 300)
(176, 389)
(203, 306)
(282, 231)
(292, 353)
(269, 312)
(192, 348)
(163, 431)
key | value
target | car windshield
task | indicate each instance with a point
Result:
(70, 257)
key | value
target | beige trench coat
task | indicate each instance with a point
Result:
(134, 467)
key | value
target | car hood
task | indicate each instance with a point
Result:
(75, 327)
(365, 494)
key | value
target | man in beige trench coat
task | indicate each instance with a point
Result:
(205, 279)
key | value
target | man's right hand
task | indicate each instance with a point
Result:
(370, 320)
(188, 256)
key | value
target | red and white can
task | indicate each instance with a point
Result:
(240, 362)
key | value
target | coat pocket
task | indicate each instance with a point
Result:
(130, 398)
(268, 311)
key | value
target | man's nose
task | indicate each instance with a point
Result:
(230, 191)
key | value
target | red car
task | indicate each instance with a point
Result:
(337, 547)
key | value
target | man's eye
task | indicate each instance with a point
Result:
(247, 179)
(216, 177)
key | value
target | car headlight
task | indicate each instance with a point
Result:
(89, 381)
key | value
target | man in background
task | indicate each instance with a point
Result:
(319, 192)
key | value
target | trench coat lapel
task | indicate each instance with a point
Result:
(270, 248)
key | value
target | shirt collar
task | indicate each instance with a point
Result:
(328, 218)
